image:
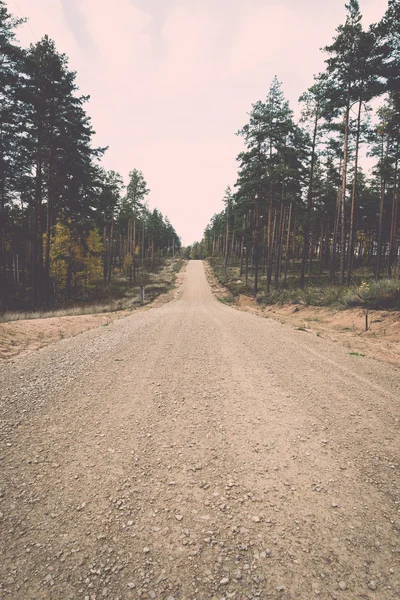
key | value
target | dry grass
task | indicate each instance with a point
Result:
(74, 311)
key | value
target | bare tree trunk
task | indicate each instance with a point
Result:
(294, 240)
(105, 261)
(270, 228)
(381, 205)
(353, 198)
(247, 264)
(3, 255)
(256, 249)
(343, 193)
(242, 246)
(321, 247)
(335, 235)
(49, 223)
(279, 241)
(37, 255)
(393, 223)
(134, 247)
(288, 240)
(110, 262)
(226, 237)
(311, 254)
(309, 202)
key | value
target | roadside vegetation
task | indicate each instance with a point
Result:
(158, 281)
(364, 292)
(306, 223)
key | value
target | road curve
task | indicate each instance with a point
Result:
(197, 452)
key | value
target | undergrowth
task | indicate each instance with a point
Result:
(368, 293)
(156, 283)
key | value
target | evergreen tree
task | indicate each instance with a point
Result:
(11, 163)
(134, 203)
(61, 154)
(312, 112)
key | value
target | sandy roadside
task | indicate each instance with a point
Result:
(346, 327)
(18, 338)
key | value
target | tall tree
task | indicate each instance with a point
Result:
(312, 113)
(342, 68)
(137, 192)
(60, 144)
(108, 202)
(11, 165)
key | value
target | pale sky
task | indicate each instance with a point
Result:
(171, 81)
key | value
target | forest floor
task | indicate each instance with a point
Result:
(344, 326)
(198, 452)
(19, 337)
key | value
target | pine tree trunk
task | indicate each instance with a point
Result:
(309, 204)
(269, 247)
(279, 241)
(294, 240)
(273, 246)
(110, 262)
(393, 223)
(247, 264)
(256, 250)
(242, 247)
(335, 236)
(321, 247)
(105, 264)
(134, 247)
(3, 258)
(288, 240)
(3, 255)
(381, 206)
(353, 198)
(37, 255)
(226, 237)
(311, 252)
(49, 223)
(343, 193)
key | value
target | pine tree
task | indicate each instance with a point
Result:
(343, 74)
(265, 169)
(108, 202)
(313, 108)
(60, 144)
(11, 163)
(386, 149)
(134, 202)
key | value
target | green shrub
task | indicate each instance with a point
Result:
(367, 293)
(376, 294)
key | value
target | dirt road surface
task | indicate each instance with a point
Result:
(197, 452)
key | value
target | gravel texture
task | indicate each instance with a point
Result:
(196, 452)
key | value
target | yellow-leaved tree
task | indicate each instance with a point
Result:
(128, 262)
(66, 255)
(92, 262)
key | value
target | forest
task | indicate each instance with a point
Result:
(305, 211)
(70, 231)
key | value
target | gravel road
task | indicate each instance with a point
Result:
(197, 452)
